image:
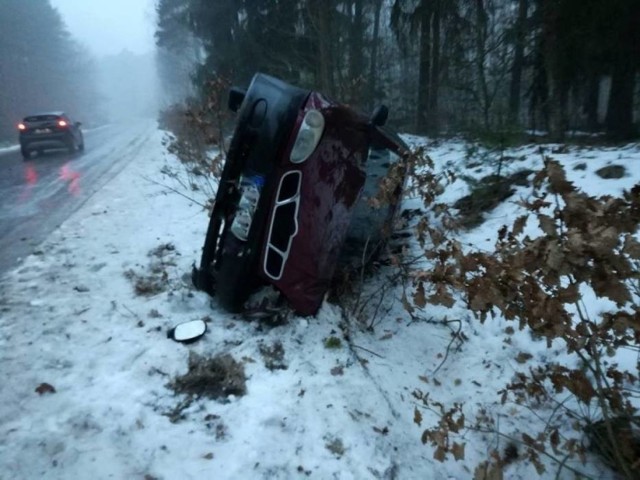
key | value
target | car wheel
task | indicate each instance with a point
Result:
(239, 269)
(71, 145)
(236, 261)
(26, 154)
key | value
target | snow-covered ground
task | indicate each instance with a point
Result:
(70, 318)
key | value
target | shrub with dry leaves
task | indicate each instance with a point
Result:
(587, 243)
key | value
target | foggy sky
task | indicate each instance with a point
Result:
(107, 27)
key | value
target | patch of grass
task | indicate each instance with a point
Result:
(148, 285)
(156, 279)
(626, 431)
(215, 377)
(500, 139)
(332, 343)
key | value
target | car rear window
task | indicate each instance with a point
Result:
(40, 118)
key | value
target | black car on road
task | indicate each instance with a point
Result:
(44, 131)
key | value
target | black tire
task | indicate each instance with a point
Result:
(71, 145)
(26, 153)
(239, 273)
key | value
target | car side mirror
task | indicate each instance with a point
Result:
(187, 332)
(380, 115)
(236, 96)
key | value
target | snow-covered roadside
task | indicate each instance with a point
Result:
(70, 318)
(10, 148)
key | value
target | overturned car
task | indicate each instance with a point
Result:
(295, 185)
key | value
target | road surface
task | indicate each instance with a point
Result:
(39, 194)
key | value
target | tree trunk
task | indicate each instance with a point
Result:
(558, 91)
(424, 70)
(591, 102)
(619, 121)
(625, 62)
(481, 39)
(320, 15)
(373, 65)
(432, 121)
(356, 63)
(518, 63)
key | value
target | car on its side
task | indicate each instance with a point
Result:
(45, 131)
(290, 193)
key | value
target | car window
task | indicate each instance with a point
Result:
(379, 160)
(40, 118)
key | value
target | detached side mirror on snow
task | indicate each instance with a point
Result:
(188, 332)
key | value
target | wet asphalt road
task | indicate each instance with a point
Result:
(39, 194)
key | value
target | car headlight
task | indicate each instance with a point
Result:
(308, 136)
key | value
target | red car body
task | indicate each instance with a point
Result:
(280, 220)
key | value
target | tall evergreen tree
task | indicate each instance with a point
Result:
(42, 67)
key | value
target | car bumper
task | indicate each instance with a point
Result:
(55, 140)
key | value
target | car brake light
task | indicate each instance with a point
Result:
(21, 126)
(308, 136)
(62, 123)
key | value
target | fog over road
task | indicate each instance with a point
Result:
(39, 194)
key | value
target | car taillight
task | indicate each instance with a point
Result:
(21, 126)
(62, 123)
(308, 136)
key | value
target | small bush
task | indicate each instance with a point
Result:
(332, 343)
(588, 244)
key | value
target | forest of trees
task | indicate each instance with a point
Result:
(41, 67)
(441, 65)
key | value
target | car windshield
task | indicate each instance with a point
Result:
(41, 118)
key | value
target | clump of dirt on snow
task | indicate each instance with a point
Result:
(273, 356)
(486, 194)
(215, 377)
(611, 171)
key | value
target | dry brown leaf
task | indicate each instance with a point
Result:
(631, 247)
(519, 224)
(458, 451)
(523, 357)
(547, 224)
(417, 417)
(419, 298)
(487, 471)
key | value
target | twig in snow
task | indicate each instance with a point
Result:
(366, 350)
